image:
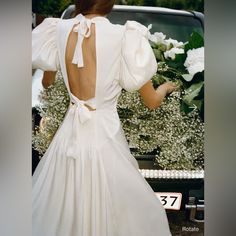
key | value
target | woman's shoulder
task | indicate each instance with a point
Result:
(44, 47)
(48, 24)
(138, 61)
(132, 26)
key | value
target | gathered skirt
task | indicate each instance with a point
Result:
(95, 190)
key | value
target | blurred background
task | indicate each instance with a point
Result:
(56, 7)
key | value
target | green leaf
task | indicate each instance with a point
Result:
(192, 92)
(199, 76)
(185, 107)
(153, 45)
(162, 47)
(158, 54)
(197, 103)
(178, 62)
(195, 41)
(159, 79)
(180, 58)
(187, 77)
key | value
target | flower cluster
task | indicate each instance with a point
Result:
(175, 138)
(54, 102)
(195, 61)
(182, 63)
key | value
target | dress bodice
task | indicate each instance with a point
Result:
(124, 56)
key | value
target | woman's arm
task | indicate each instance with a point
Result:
(48, 78)
(153, 98)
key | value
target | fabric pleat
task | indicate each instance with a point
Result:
(97, 192)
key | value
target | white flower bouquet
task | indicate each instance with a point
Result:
(182, 63)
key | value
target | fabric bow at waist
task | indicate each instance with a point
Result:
(81, 114)
(82, 111)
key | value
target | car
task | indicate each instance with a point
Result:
(178, 190)
(176, 24)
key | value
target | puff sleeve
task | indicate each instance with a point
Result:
(138, 62)
(44, 45)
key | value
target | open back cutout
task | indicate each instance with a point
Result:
(82, 81)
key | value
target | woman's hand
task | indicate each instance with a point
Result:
(153, 98)
(168, 87)
(165, 89)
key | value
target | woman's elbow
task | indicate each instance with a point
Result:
(46, 83)
(48, 78)
(149, 96)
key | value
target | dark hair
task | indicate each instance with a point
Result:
(101, 7)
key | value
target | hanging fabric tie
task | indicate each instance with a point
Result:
(83, 28)
(81, 114)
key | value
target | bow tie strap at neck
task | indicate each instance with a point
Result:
(83, 28)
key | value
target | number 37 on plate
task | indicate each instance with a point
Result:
(170, 201)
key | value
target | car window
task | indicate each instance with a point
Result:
(178, 27)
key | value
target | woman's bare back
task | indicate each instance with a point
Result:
(82, 81)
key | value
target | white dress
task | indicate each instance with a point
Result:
(88, 183)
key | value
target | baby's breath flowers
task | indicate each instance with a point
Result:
(176, 138)
(54, 102)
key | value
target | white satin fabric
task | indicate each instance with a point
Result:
(83, 28)
(88, 183)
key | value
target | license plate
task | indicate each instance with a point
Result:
(170, 201)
